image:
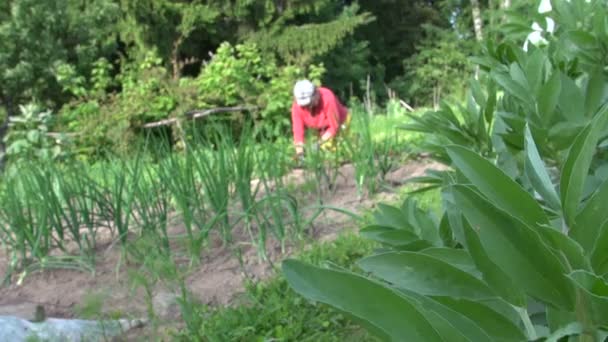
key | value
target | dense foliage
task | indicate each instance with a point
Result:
(105, 68)
(518, 252)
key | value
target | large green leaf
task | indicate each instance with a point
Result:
(589, 220)
(571, 100)
(597, 290)
(537, 173)
(488, 111)
(376, 306)
(535, 68)
(548, 97)
(512, 87)
(595, 92)
(574, 328)
(493, 275)
(477, 93)
(517, 249)
(465, 325)
(565, 247)
(476, 321)
(446, 330)
(493, 323)
(458, 258)
(425, 275)
(599, 254)
(501, 190)
(563, 134)
(423, 221)
(577, 165)
(390, 216)
(389, 235)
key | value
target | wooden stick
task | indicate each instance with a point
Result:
(407, 106)
(198, 113)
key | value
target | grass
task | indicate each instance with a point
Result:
(271, 311)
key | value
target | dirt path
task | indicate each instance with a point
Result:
(216, 281)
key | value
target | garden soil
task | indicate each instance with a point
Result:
(217, 281)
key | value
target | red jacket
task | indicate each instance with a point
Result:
(327, 116)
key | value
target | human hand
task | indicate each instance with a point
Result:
(299, 159)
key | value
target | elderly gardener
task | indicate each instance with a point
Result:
(316, 108)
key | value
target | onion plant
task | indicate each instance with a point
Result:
(118, 180)
(178, 174)
(243, 161)
(151, 205)
(214, 171)
(25, 226)
(362, 152)
(43, 207)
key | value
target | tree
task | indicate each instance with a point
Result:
(167, 26)
(37, 37)
(398, 29)
(440, 67)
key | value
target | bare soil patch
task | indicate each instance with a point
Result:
(217, 280)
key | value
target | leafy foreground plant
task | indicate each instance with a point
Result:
(500, 265)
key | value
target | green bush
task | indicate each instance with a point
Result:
(241, 75)
(28, 137)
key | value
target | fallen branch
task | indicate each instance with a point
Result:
(406, 106)
(58, 135)
(195, 114)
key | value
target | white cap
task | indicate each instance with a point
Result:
(303, 91)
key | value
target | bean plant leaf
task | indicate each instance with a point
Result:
(390, 216)
(565, 247)
(574, 328)
(389, 235)
(465, 325)
(534, 69)
(494, 184)
(548, 97)
(491, 102)
(577, 165)
(493, 275)
(571, 100)
(599, 257)
(474, 320)
(512, 86)
(595, 92)
(590, 219)
(517, 249)
(376, 306)
(537, 173)
(458, 258)
(493, 323)
(425, 275)
(597, 290)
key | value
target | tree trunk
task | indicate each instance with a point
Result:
(504, 6)
(8, 104)
(477, 26)
(477, 22)
(175, 63)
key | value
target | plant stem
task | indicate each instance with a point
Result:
(525, 318)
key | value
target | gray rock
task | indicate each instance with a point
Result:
(54, 329)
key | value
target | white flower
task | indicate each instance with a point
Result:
(545, 6)
(536, 36)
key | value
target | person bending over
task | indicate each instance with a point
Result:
(316, 108)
